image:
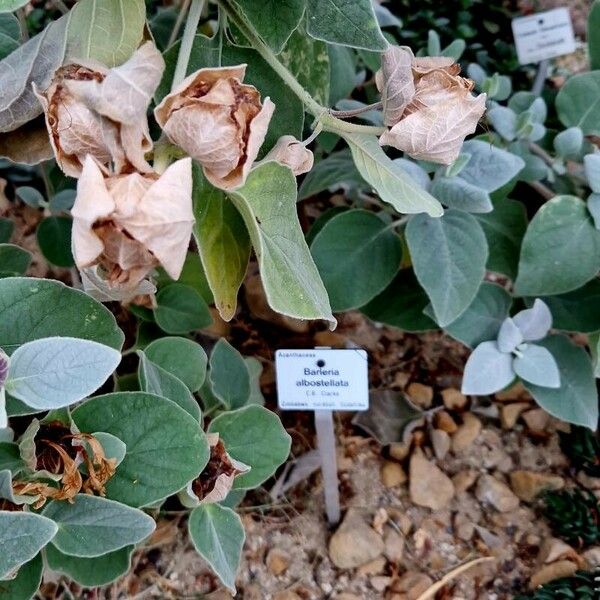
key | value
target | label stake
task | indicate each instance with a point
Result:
(327, 452)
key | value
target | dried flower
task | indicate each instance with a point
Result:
(218, 121)
(428, 106)
(90, 109)
(129, 224)
(292, 153)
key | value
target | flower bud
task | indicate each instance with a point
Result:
(218, 121)
(129, 224)
(428, 106)
(292, 153)
(90, 109)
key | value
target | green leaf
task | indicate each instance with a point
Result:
(342, 75)
(13, 260)
(22, 536)
(578, 102)
(31, 196)
(181, 357)
(255, 369)
(576, 401)
(90, 572)
(292, 284)
(223, 243)
(91, 526)
(63, 201)
(288, 117)
(26, 583)
(10, 34)
(108, 31)
(165, 447)
(192, 275)
(593, 36)
(457, 193)
(54, 240)
(449, 256)
(12, 5)
(387, 177)
(229, 375)
(322, 220)
(155, 380)
(346, 22)
(31, 309)
(577, 310)
(401, 305)
(274, 20)
(6, 230)
(568, 143)
(161, 24)
(335, 171)
(504, 229)
(218, 535)
(484, 316)
(59, 371)
(357, 256)
(557, 259)
(10, 458)
(181, 309)
(256, 437)
(307, 60)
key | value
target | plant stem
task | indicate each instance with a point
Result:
(346, 114)
(185, 4)
(187, 41)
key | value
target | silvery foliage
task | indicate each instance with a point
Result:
(494, 364)
(591, 163)
(3, 375)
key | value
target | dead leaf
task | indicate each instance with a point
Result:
(292, 153)
(395, 82)
(100, 469)
(218, 121)
(29, 144)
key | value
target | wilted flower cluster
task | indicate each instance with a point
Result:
(429, 108)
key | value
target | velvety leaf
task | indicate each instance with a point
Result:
(31, 309)
(255, 436)
(577, 310)
(504, 229)
(13, 260)
(346, 251)
(229, 375)
(192, 275)
(578, 102)
(59, 371)
(91, 526)
(218, 535)
(341, 72)
(181, 309)
(10, 34)
(593, 36)
(576, 400)
(509, 336)
(223, 243)
(593, 206)
(26, 583)
(6, 230)
(592, 171)
(155, 380)
(536, 365)
(389, 180)
(484, 316)
(165, 447)
(504, 121)
(335, 171)
(106, 30)
(555, 259)
(292, 284)
(89, 572)
(534, 323)
(54, 239)
(12, 5)
(401, 305)
(449, 256)
(487, 371)
(345, 22)
(10, 457)
(322, 220)
(308, 61)
(181, 357)
(255, 369)
(457, 193)
(22, 536)
(274, 20)
(568, 143)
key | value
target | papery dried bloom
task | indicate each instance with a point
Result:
(218, 121)
(292, 153)
(130, 224)
(429, 107)
(90, 109)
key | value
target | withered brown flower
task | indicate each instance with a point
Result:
(90, 109)
(219, 121)
(292, 153)
(428, 106)
(129, 224)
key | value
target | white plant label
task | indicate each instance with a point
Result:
(543, 35)
(322, 379)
